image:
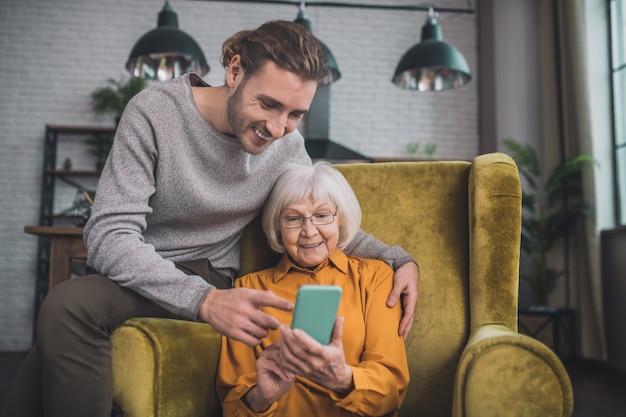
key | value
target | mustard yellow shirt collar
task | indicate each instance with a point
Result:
(337, 260)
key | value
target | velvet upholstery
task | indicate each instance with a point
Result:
(462, 221)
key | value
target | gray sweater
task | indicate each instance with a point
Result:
(175, 189)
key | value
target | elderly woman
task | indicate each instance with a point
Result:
(312, 213)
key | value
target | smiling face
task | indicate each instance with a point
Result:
(310, 245)
(266, 106)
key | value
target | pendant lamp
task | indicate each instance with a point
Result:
(333, 69)
(166, 52)
(432, 65)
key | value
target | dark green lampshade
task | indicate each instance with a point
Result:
(333, 69)
(432, 65)
(166, 52)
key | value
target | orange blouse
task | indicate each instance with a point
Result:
(371, 343)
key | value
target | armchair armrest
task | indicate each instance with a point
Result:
(506, 373)
(165, 367)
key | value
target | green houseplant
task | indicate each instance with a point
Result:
(114, 97)
(551, 207)
(99, 147)
(413, 149)
(111, 99)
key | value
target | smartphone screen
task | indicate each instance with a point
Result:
(316, 310)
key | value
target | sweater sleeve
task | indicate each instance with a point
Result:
(367, 246)
(114, 233)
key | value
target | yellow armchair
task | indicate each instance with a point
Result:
(461, 221)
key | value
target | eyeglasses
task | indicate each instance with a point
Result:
(318, 219)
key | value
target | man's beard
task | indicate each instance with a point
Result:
(233, 105)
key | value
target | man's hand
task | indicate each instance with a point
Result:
(236, 313)
(405, 281)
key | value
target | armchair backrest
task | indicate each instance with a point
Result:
(461, 221)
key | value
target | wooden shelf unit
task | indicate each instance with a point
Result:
(50, 174)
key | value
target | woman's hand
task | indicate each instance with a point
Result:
(272, 380)
(300, 354)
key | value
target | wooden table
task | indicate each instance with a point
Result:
(66, 244)
(561, 339)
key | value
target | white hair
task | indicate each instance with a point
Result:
(321, 182)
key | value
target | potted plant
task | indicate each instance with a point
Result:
(551, 207)
(413, 149)
(99, 145)
(112, 98)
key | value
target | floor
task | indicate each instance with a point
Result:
(599, 390)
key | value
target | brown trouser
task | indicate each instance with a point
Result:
(67, 372)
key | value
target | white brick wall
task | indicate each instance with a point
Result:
(53, 53)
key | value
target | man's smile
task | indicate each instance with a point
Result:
(261, 135)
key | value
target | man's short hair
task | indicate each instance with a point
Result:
(288, 44)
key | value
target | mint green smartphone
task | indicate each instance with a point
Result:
(316, 310)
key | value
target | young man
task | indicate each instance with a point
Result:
(190, 167)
